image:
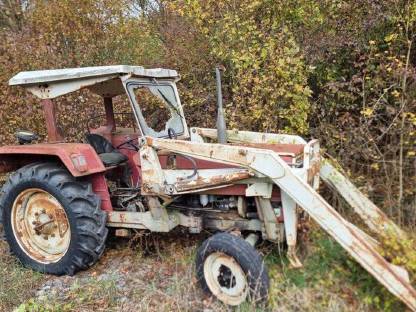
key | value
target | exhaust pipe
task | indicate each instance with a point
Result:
(221, 127)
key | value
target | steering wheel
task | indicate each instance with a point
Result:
(129, 143)
(172, 134)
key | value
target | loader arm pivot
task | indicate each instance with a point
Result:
(266, 163)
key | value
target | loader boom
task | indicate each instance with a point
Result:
(374, 218)
(269, 164)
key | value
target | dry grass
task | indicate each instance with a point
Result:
(156, 273)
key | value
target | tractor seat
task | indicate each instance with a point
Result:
(105, 150)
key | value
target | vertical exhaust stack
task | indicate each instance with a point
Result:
(221, 127)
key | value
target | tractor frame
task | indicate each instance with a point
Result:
(252, 186)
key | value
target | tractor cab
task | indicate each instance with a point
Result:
(152, 93)
(156, 112)
(155, 107)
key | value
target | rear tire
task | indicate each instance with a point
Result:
(230, 269)
(52, 222)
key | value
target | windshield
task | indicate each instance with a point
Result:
(157, 109)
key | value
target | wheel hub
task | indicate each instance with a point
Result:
(225, 278)
(40, 225)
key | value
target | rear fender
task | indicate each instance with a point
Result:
(80, 159)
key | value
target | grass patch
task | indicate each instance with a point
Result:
(17, 283)
(330, 277)
(94, 295)
(158, 274)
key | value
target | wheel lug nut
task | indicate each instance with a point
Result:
(52, 235)
(45, 237)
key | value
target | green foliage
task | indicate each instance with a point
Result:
(266, 74)
(339, 71)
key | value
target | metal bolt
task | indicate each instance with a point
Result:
(53, 235)
(45, 237)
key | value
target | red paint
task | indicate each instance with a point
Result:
(237, 189)
(63, 151)
(183, 163)
(134, 164)
(54, 133)
(109, 114)
(240, 190)
(118, 138)
(100, 187)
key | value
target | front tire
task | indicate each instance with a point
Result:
(52, 222)
(230, 269)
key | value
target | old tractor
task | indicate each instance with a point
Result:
(61, 198)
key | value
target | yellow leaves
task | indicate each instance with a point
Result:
(375, 166)
(391, 37)
(267, 72)
(395, 93)
(367, 112)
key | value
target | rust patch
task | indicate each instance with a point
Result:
(313, 171)
(200, 183)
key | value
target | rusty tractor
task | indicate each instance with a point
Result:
(155, 174)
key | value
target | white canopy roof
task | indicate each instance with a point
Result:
(52, 75)
(102, 80)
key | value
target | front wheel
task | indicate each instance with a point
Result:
(52, 222)
(231, 269)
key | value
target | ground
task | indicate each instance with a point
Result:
(156, 273)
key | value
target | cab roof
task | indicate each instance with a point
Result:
(102, 80)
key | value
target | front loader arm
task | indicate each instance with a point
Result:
(375, 219)
(268, 163)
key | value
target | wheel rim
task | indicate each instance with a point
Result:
(40, 226)
(225, 278)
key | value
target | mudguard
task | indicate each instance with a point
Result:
(80, 159)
